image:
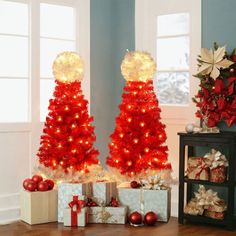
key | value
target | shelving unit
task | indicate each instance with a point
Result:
(188, 144)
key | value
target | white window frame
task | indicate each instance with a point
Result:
(145, 39)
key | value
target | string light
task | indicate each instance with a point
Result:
(126, 150)
(66, 108)
(61, 162)
(132, 173)
(112, 144)
(70, 139)
(73, 150)
(129, 163)
(81, 141)
(117, 161)
(143, 110)
(87, 142)
(160, 135)
(146, 149)
(59, 145)
(129, 107)
(135, 140)
(71, 167)
(155, 159)
(142, 124)
(79, 104)
(129, 119)
(147, 134)
(121, 135)
(73, 126)
(134, 93)
(76, 116)
(74, 96)
(58, 131)
(59, 118)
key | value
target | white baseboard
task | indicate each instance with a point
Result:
(9, 208)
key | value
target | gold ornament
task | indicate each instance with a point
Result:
(211, 61)
(138, 66)
(68, 67)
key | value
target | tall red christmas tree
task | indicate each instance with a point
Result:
(137, 145)
(66, 148)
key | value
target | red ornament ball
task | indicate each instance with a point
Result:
(31, 186)
(25, 183)
(150, 218)
(37, 178)
(42, 186)
(135, 218)
(134, 184)
(50, 184)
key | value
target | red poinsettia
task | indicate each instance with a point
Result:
(216, 98)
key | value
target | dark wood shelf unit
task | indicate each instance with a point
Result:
(205, 220)
(205, 182)
(189, 142)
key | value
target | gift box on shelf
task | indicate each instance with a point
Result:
(197, 168)
(76, 214)
(67, 190)
(145, 200)
(218, 166)
(38, 207)
(108, 215)
(104, 191)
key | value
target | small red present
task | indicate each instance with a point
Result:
(215, 215)
(218, 174)
(197, 168)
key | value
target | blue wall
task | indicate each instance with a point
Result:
(112, 32)
(218, 25)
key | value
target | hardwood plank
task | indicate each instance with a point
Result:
(172, 228)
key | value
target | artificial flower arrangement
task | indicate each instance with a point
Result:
(216, 98)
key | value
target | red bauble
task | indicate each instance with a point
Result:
(37, 178)
(94, 204)
(42, 186)
(31, 186)
(25, 183)
(135, 218)
(134, 184)
(50, 184)
(150, 218)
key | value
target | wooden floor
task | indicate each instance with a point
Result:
(161, 229)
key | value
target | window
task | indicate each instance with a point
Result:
(173, 59)
(32, 34)
(14, 62)
(57, 34)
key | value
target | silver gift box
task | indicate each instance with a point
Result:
(143, 201)
(108, 215)
(103, 191)
(66, 191)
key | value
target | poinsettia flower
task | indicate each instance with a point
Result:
(212, 61)
(219, 85)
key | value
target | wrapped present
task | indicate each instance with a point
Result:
(145, 200)
(217, 163)
(193, 208)
(215, 215)
(67, 190)
(108, 215)
(205, 201)
(104, 191)
(197, 168)
(218, 174)
(76, 214)
(38, 207)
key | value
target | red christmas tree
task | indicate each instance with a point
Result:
(67, 142)
(138, 141)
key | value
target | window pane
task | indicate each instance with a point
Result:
(13, 18)
(173, 53)
(13, 56)
(49, 50)
(14, 100)
(57, 21)
(46, 92)
(173, 24)
(173, 88)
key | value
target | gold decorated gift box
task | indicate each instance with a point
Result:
(104, 191)
(67, 190)
(38, 207)
(145, 200)
(198, 168)
(108, 215)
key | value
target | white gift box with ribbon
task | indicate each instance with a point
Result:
(67, 190)
(144, 200)
(104, 191)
